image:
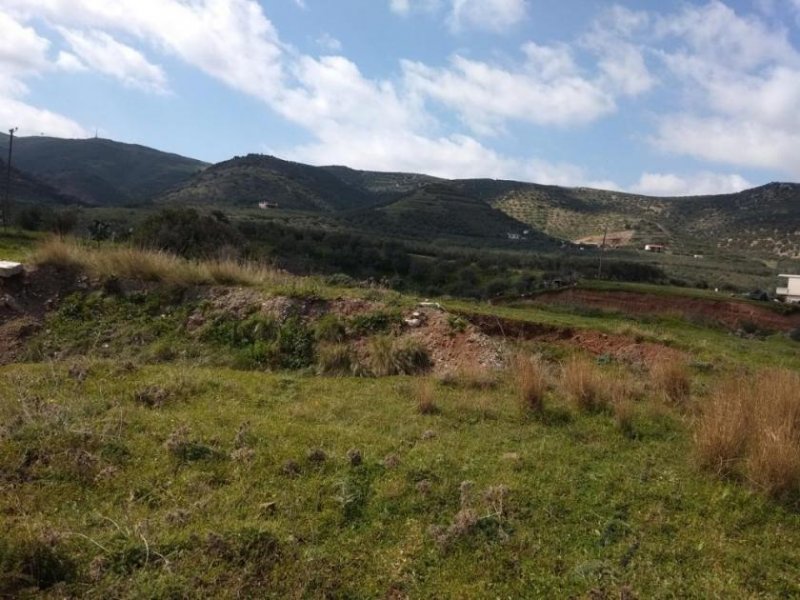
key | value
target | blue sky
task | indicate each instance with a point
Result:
(655, 97)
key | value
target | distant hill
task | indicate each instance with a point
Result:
(26, 189)
(441, 210)
(761, 221)
(387, 184)
(247, 181)
(765, 219)
(98, 171)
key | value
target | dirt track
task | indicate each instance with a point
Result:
(728, 312)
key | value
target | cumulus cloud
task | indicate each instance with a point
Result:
(328, 42)
(546, 89)
(620, 60)
(743, 78)
(670, 184)
(100, 52)
(494, 15)
(461, 15)
(24, 55)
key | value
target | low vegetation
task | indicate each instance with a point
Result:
(164, 434)
(156, 266)
(750, 428)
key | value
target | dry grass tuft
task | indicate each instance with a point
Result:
(584, 385)
(722, 432)
(471, 376)
(530, 379)
(151, 265)
(752, 428)
(423, 392)
(673, 379)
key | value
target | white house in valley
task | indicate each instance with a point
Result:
(790, 293)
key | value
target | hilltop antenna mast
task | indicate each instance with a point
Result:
(7, 203)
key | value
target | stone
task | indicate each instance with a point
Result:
(9, 269)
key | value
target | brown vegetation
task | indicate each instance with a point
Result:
(584, 385)
(751, 427)
(530, 379)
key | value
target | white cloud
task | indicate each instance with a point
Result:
(328, 42)
(462, 15)
(230, 40)
(100, 52)
(67, 61)
(669, 184)
(401, 7)
(23, 55)
(620, 60)
(742, 79)
(494, 15)
(546, 89)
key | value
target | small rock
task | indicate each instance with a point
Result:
(268, 508)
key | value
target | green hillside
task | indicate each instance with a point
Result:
(27, 189)
(98, 171)
(247, 181)
(763, 220)
(441, 210)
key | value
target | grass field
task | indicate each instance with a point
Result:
(135, 462)
(221, 490)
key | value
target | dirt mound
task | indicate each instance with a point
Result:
(728, 312)
(452, 346)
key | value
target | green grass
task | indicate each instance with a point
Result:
(17, 245)
(588, 508)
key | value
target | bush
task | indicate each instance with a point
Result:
(188, 233)
(393, 356)
(330, 329)
(334, 359)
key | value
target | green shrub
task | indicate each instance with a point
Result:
(334, 359)
(330, 329)
(371, 323)
(388, 356)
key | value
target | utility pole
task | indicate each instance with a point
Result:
(7, 203)
(602, 251)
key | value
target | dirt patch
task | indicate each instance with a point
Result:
(728, 312)
(621, 347)
(24, 301)
(451, 347)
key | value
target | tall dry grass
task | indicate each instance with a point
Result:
(751, 427)
(151, 265)
(673, 379)
(530, 378)
(584, 385)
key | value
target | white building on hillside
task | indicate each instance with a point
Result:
(790, 293)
